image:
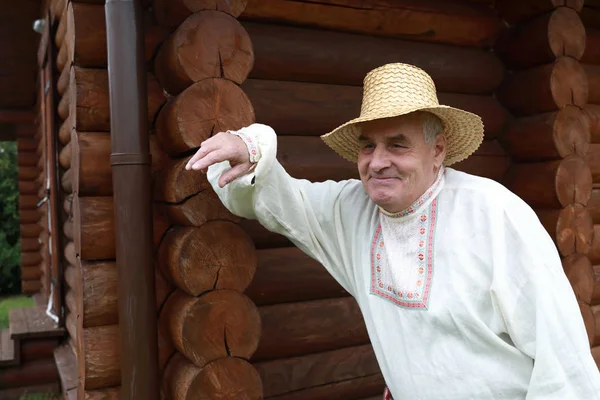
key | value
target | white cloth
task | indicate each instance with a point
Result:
(463, 294)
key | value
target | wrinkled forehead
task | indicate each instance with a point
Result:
(408, 125)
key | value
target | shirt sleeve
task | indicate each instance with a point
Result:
(310, 214)
(541, 312)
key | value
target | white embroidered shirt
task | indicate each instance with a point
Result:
(463, 293)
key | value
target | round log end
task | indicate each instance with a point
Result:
(573, 181)
(172, 13)
(199, 209)
(217, 324)
(566, 33)
(568, 83)
(580, 273)
(227, 378)
(571, 132)
(174, 183)
(574, 230)
(217, 255)
(208, 44)
(207, 107)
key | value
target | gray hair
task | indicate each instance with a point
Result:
(432, 127)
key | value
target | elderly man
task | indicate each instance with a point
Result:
(461, 288)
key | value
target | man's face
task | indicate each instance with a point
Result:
(395, 164)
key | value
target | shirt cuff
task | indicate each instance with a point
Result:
(251, 143)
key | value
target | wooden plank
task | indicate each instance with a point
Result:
(32, 322)
(7, 349)
(67, 367)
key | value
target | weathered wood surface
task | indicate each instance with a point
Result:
(592, 46)
(351, 389)
(580, 273)
(226, 378)
(174, 183)
(197, 210)
(98, 357)
(27, 159)
(545, 88)
(38, 371)
(30, 230)
(208, 44)
(549, 136)
(594, 204)
(289, 275)
(589, 320)
(297, 373)
(91, 172)
(593, 161)
(517, 10)
(287, 53)
(593, 79)
(216, 255)
(594, 252)
(172, 13)
(262, 238)
(596, 295)
(541, 40)
(29, 216)
(86, 35)
(28, 187)
(30, 273)
(64, 157)
(571, 228)
(286, 105)
(429, 21)
(217, 324)
(552, 184)
(209, 106)
(93, 227)
(592, 111)
(96, 292)
(88, 99)
(29, 258)
(294, 329)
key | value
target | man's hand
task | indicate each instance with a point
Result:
(222, 147)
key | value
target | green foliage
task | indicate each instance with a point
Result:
(12, 302)
(40, 396)
(9, 218)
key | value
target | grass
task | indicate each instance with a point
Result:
(40, 396)
(7, 303)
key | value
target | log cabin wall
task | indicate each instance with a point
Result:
(89, 249)
(549, 141)
(306, 66)
(590, 279)
(32, 262)
(208, 329)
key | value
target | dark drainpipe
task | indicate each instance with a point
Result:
(130, 161)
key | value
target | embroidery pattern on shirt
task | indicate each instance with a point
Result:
(414, 294)
(250, 144)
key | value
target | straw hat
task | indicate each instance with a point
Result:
(398, 89)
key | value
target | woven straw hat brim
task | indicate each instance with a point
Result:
(463, 130)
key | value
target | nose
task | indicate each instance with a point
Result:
(380, 159)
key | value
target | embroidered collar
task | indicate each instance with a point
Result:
(429, 193)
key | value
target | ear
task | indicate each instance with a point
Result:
(439, 150)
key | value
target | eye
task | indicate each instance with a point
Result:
(398, 146)
(368, 146)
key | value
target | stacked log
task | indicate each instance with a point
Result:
(589, 280)
(303, 83)
(32, 266)
(86, 180)
(208, 329)
(549, 141)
